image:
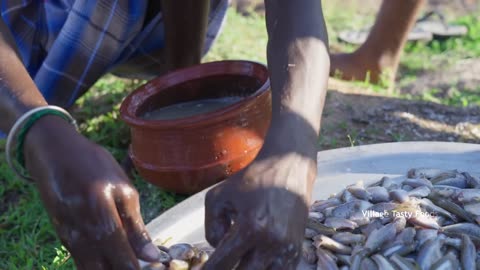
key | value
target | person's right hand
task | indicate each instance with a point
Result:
(92, 204)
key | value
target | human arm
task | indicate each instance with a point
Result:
(257, 217)
(90, 201)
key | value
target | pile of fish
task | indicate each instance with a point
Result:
(181, 257)
(428, 219)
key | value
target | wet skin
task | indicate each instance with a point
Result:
(255, 218)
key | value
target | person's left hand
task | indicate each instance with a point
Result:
(256, 219)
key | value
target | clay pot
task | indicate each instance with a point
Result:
(190, 154)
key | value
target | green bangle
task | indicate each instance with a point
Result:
(31, 121)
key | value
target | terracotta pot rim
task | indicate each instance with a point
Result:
(144, 92)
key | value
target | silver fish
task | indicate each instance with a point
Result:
(317, 216)
(319, 227)
(378, 194)
(368, 229)
(400, 223)
(182, 251)
(445, 191)
(347, 209)
(399, 249)
(469, 195)
(325, 262)
(402, 263)
(452, 208)
(380, 236)
(392, 183)
(368, 263)
(423, 235)
(443, 176)
(446, 263)
(359, 192)
(347, 196)
(340, 223)
(399, 195)
(454, 242)
(473, 208)
(348, 238)
(359, 218)
(382, 262)
(429, 253)
(468, 253)
(407, 236)
(418, 182)
(319, 206)
(458, 181)
(427, 173)
(432, 208)
(383, 207)
(330, 244)
(420, 192)
(472, 181)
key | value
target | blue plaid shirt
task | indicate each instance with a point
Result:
(67, 45)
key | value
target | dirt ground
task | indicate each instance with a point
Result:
(353, 116)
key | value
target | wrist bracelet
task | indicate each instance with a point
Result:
(25, 122)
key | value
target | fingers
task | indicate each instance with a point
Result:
(230, 250)
(217, 217)
(128, 207)
(118, 253)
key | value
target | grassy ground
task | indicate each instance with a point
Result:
(27, 240)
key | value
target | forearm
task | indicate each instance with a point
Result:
(185, 29)
(18, 92)
(299, 63)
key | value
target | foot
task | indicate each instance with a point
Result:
(355, 67)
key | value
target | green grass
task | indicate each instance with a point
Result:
(27, 240)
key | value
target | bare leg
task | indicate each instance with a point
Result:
(382, 49)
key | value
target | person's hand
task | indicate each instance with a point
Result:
(256, 219)
(92, 204)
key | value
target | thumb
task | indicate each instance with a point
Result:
(128, 207)
(218, 216)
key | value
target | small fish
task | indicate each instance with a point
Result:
(469, 195)
(454, 242)
(423, 235)
(420, 192)
(319, 206)
(368, 229)
(359, 218)
(347, 209)
(429, 253)
(400, 223)
(432, 208)
(347, 196)
(472, 181)
(452, 208)
(316, 216)
(330, 244)
(392, 183)
(356, 261)
(427, 173)
(418, 182)
(348, 238)
(402, 263)
(320, 228)
(359, 192)
(310, 233)
(459, 181)
(368, 263)
(406, 237)
(378, 194)
(340, 223)
(399, 195)
(382, 262)
(324, 261)
(469, 253)
(443, 176)
(399, 249)
(383, 207)
(473, 208)
(380, 236)
(445, 191)
(447, 263)
(182, 251)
